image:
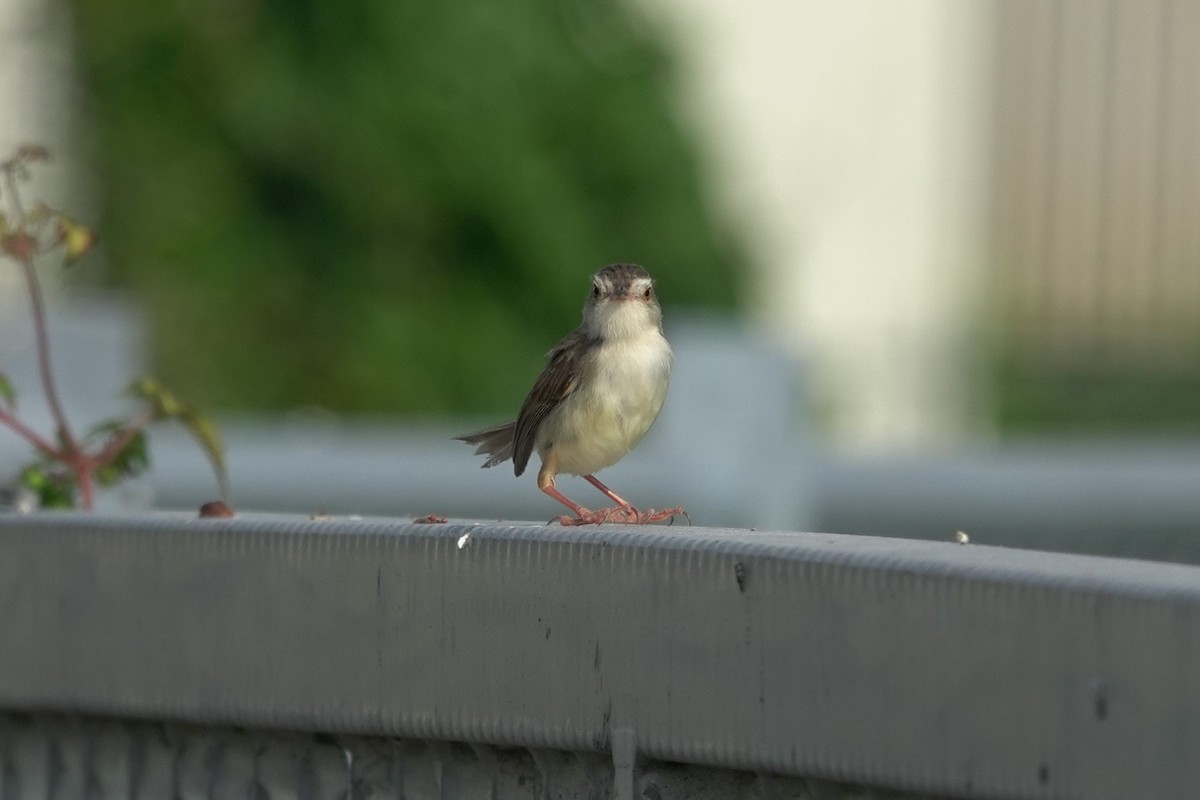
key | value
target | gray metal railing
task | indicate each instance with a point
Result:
(59, 757)
(960, 671)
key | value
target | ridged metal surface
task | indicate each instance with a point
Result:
(52, 757)
(956, 670)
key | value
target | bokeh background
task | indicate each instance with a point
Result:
(374, 207)
(934, 236)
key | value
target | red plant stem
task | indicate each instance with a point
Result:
(76, 459)
(29, 434)
(42, 339)
(83, 472)
(71, 454)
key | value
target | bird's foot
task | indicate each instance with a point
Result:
(598, 517)
(644, 517)
(628, 516)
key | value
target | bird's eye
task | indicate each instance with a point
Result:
(646, 294)
(596, 291)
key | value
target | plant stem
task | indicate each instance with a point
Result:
(78, 461)
(42, 340)
(83, 472)
(22, 249)
(29, 434)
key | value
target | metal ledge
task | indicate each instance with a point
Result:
(955, 670)
(56, 757)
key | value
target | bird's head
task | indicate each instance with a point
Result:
(621, 303)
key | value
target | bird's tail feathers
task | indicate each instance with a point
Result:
(496, 443)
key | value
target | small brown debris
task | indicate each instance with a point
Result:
(215, 509)
(430, 519)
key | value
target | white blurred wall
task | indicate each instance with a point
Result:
(849, 143)
(40, 104)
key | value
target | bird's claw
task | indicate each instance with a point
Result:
(667, 513)
(597, 517)
(627, 516)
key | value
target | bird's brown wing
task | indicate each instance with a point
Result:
(556, 382)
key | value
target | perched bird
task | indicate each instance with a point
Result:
(600, 392)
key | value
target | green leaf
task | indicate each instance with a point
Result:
(165, 405)
(77, 240)
(134, 457)
(53, 489)
(131, 460)
(7, 393)
(106, 476)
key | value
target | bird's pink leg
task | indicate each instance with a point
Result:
(632, 514)
(582, 515)
(616, 498)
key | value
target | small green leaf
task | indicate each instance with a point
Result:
(53, 490)
(165, 405)
(7, 393)
(77, 240)
(106, 476)
(132, 459)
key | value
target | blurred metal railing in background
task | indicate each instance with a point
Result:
(958, 671)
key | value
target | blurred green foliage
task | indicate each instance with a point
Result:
(376, 205)
(1093, 398)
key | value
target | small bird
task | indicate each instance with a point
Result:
(600, 392)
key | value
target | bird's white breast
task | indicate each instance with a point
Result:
(613, 406)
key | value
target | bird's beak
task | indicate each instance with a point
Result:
(621, 293)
